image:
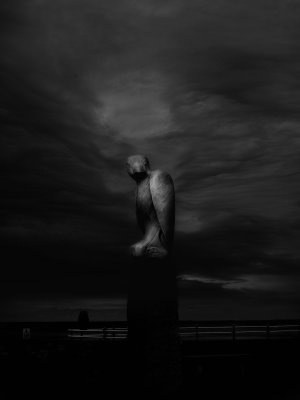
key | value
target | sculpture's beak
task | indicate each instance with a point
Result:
(136, 169)
(139, 175)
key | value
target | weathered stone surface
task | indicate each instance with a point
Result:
(155, 209)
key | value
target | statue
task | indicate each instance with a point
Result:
(152, 309)
(155, 208)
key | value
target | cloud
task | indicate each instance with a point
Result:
(208, 91)
(266, 283)
(134, 106)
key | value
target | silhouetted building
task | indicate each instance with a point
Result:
(83, 320)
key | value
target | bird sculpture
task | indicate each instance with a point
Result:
(155, 208)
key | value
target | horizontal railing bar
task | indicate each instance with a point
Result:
(285, 330)
(263, 332)
(237, 326)
(193, 333)
(214, 333)
(82, 336)
(85, 330)
(206, 327)
(291, 327)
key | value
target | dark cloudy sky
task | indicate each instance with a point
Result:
(210, 91)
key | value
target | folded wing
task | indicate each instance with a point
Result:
(163, 197)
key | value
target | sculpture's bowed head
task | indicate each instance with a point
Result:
(138, 167)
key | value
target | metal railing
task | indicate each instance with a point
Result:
(106, 333)
(199, 331)
(241, 331)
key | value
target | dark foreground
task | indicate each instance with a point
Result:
(67, 368)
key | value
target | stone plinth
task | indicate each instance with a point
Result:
(152, 314)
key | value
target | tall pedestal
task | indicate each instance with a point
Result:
(152, 314)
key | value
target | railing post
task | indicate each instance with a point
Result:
(268, 331)
(197, 333)
(233, 332)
